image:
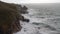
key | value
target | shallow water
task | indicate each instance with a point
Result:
(44, 20)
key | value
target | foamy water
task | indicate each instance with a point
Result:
(41, 22)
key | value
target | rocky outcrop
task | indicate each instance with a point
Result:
(10, 18)
(22, 10)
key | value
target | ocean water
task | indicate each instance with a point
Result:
(44, 19)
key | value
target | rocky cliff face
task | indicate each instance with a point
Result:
(10, 17)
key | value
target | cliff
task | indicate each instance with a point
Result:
(10, 17)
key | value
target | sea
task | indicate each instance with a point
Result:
(44, 19)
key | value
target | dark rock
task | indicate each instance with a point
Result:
(1, 31)
(10, 18)
(36, 23)
(38, 27)
(25, 30)
(26, 20)
(50, 27)
(22, 10)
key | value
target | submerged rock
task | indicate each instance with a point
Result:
(44, 25)
(50, 27)
(38, 23)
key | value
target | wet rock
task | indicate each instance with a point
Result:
(38, 23)
(38, 27)
(23, 19)
(25, 30)
(26, 20)
(50, 27)
(40, 17)
(44, 25)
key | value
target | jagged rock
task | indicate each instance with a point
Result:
(22, 10)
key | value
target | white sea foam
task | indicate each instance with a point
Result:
(42, 23)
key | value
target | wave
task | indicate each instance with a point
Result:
(41, 23)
